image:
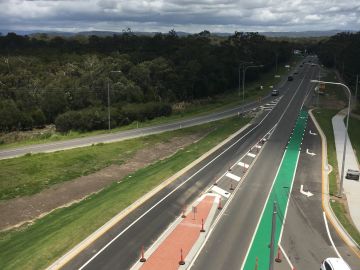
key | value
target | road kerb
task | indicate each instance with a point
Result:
(107, 226)
(325, 198)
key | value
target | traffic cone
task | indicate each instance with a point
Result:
(278, 258)
(202, 225)
(181, 262)
(142, 257)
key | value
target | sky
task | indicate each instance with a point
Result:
(182, 15)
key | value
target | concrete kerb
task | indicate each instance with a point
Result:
(344, 235)
(107, 226)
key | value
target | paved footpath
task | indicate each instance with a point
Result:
(183, 235)
(351, 187)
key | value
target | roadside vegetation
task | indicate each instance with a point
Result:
(331, 103)
(37, 245)
(70, 81)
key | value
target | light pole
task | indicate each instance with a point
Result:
(243, 82)
(241, 65)
(346, 133)
(108, 97)
(356, 88)
(276, 62)
(317, 96)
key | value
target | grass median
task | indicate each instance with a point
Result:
(38, 245)
(323, 117)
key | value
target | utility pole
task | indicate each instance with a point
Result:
(272, 243)
(108, 101)
(356, 88)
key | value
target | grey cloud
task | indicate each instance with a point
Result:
(186, 15)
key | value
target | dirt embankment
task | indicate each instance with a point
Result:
(18, 211)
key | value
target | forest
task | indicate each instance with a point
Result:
(68, 81)
(341, 52)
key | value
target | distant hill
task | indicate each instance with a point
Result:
(110, 33)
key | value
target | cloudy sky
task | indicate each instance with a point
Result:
(182, 15)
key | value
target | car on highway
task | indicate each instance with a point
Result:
(275, 92)
(290, 78)
(334, 264)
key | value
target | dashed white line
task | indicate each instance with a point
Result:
(233, 176)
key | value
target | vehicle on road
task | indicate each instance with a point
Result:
(352, 174)
(290, 78)
(275, 92)
(334, 264)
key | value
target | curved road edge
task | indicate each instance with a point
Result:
(340, 230)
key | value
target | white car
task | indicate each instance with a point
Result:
(334, 264)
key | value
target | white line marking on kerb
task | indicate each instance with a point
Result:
(244, 165)
(233, 176)
(220, 191)
(251, 155)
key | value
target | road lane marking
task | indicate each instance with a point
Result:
(171, 192)
(244, 165)
(286, 257)
(329, 235)
(306, 193)
(220, 191)
(257, 146)
(312, 133)
(310, 153)
(233, 176)
(251, 155)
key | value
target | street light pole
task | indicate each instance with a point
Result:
(272, 241)
(356, 88)
(243, 82)
(317, 96)
(241, 65)
(346, 133)
(108, 98)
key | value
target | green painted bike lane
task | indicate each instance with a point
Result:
(280, 191)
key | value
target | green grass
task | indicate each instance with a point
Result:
(354, 134)
(323, 117)
(38, 245)
(228, 100)
(340, 211)
(32, 173)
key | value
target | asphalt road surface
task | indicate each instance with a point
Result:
(228, 244)
(134, 133)
(305, 238)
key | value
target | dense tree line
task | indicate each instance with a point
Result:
(341, 52)
(61, 80)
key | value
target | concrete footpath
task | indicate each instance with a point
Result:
(351, 187)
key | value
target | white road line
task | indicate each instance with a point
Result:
(262, 212)
(257, 146)
(286, 257)
(251, 155)
(171, 192)
(233, 176)
(220, 191)
(244, 165)
(330, 238)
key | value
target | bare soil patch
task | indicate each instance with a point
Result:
(18, 211)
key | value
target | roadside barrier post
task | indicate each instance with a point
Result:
(181, 262)
(220, 206)
(278, 258)
(202, 225)
(256, 263)
(183, 213)
(142, 257)
(231, 186)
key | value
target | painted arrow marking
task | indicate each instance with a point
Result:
(306, 193)
(312, 133)
(310, 153)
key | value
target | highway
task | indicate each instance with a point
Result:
(134, 133)
(119, 248)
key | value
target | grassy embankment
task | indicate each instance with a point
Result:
(324, 116)
(217, 103)
(37, 245)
